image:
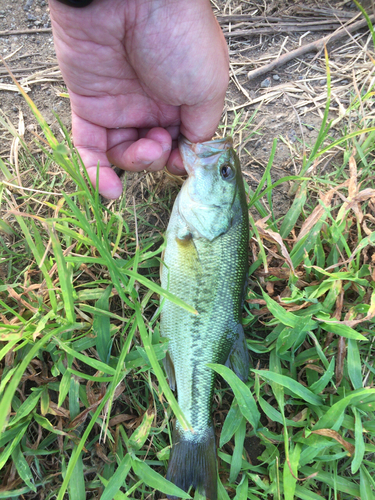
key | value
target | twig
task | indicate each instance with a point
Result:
(323, 12)
(23, 70)
(281, 28)
(29, 189)
(136, 226)
(296, 19)
(25, 32)
(310, 47)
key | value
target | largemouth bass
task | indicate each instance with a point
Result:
(205, 264)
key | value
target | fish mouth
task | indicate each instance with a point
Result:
(203, 149)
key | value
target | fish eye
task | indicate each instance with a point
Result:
(226, 172)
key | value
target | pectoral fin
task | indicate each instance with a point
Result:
(169, 368)
(238, 359)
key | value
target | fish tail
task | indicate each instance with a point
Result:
(193, 462)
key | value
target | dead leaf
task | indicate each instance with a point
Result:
(120, 388)
(9, 357)
(300, 478)
(119, 418)
(59, 411)
(300, 416)
(60, 441)
(337, 313)
(270, 287)
(365, 194)
(292, 308)
(83, 415)
(353, 203)
(21, 300)
(354, 322)
(279, 272)
(335, 435)
(270, 235)
(352, 188)
(341, 354)
(101, 454)
(315, 368)
(319, 210)
(355, 197)
(366, 229)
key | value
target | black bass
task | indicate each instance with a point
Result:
(205, 264)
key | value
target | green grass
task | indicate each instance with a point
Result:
(85, 408)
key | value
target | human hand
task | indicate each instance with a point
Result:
(139, 73)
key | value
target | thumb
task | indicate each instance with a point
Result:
(199, 122)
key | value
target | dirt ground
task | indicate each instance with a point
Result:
(289, 100)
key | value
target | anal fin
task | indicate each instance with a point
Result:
(238, 359)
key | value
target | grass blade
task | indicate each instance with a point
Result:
(156, 481)
(292, 385)
(102, 325)
(354, 364)
(333, 415)
(158, 371)
(118, 478)
(359, 442)
(245, 399)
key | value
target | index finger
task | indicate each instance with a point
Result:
(92, 143)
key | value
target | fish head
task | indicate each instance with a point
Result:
(212, 199)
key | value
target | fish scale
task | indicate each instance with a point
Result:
(208, 271)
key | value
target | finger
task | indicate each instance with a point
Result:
(148, 153)
(199, 122)
(116, 136)
(164, 138)
(91, 143)
(175, 164)
(174, 132)
(110, 186)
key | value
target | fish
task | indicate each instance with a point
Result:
(205, 264)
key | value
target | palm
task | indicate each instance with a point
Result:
(140, 72)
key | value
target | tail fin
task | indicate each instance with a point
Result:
(193, 462)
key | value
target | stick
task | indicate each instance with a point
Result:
(276, 21)
(274, 29)
(309, 47)
(25, 32)
(327, 13)
(3, 71)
